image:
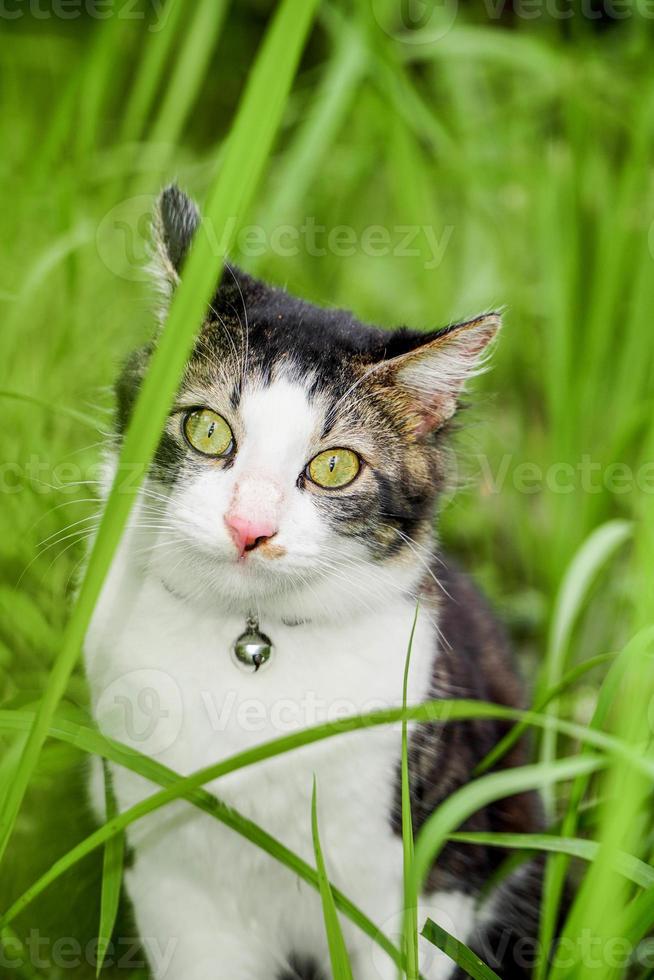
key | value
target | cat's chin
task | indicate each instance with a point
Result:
(283, 589)
(237, 583)
(273, 596)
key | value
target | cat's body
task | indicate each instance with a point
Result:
(332, 572)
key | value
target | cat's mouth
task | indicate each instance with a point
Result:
(267, 548)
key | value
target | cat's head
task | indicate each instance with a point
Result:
(302, 457)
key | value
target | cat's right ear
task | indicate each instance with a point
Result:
(175, 220)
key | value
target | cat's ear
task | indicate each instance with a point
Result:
(175, 220)
(431, 375)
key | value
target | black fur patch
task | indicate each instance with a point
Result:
(301, 968)
(474, 662)
(178, 221)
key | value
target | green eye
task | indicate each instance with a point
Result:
(208, 432)
(334, 468)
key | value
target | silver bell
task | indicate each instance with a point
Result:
(253, 649)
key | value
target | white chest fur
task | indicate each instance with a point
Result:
(163, 680)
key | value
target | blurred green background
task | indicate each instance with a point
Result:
(435, 161)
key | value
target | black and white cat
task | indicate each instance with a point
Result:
(296, 483)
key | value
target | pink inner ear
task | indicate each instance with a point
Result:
(434, 375)
(433, 412)
(426, 425)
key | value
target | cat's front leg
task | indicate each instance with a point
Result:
(373, 964)
(453, 911)
(188, 936)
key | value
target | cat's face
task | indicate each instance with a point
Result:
(303, 455)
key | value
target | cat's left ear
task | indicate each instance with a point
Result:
(432, 374)
(174, 223)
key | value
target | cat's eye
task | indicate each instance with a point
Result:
(208, 432)
(334, 468)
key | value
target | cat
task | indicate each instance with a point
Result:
(295, 486)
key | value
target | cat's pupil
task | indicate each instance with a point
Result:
(332, 463)
(211, 429)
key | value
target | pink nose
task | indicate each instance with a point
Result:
(248, 534)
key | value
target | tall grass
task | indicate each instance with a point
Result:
(520, 159)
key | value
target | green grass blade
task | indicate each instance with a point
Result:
(343, 74)
(150, 71)
(338, 955)
(101, 75)
(80, 417)
(509, 50)
(91, 741)
(248, 148)
(57, 131)
(631, 867)
(112, 876)
(594, 553)
(484, 790)
(514, 734)
(398, 89)
(600, 900)
(56, 255)
(455, 810)
(550, 213)
(556, 867)
(462, 955)
(410, 930)
(12, 948)
(445, 711)
(184, 85)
